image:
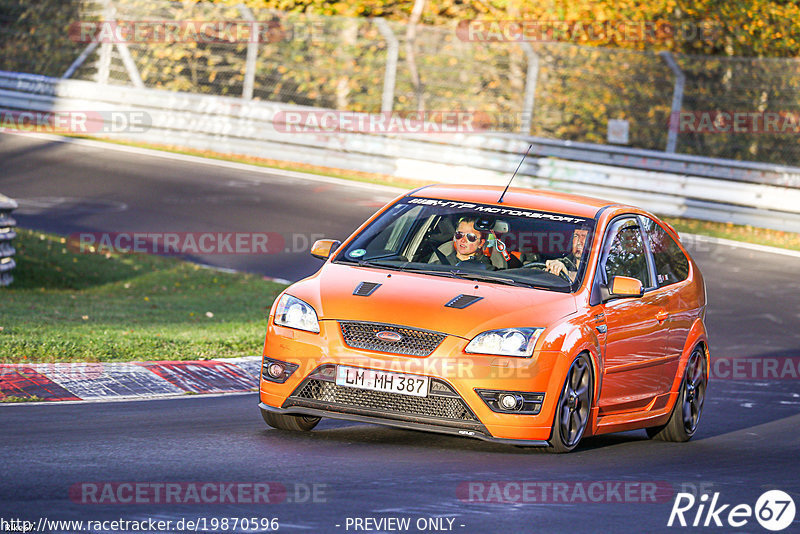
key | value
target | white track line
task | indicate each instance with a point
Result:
(330, 180)
(741, 244)
(199, 160)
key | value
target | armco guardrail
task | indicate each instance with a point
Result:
(704, 188)
(7, 233)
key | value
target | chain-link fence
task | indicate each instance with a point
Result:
(737, 108)
(34, 37)
(763, 87)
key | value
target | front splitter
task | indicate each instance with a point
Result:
(302, 410)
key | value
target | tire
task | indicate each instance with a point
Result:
(685, 415)
(574, 407)
(283, 421)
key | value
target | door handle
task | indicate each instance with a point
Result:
(662, 315)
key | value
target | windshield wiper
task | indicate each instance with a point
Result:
(502, 280)
(488, 278)
(445, 272)
(406, 267)
(467, 275)
(382, 265)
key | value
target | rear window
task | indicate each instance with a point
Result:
(672, 265)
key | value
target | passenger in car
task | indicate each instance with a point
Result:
(466, 246)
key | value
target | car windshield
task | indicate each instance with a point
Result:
(496, 244)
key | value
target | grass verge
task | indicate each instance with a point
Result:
(32, 398)
(66, 306)
(737, 232)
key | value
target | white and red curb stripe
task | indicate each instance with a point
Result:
(127, 380)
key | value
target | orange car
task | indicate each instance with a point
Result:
(534, 319)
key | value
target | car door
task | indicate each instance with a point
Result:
(671, 269)
(635, 337)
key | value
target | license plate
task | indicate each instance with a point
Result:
(382, 381)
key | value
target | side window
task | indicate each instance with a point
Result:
(626, 254)
(671, 263)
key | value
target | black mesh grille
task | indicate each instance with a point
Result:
(413, 342)
(431, 406)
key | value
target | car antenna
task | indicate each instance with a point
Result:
(500, 201)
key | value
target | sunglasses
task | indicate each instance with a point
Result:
(470, 236)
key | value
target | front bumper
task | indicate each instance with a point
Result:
(409, 425)
(459, 411)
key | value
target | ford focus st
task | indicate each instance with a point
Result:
(531, 318)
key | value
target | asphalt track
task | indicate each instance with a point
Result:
(747, 443)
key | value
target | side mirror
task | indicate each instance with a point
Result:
(323, 248)
(623, 287)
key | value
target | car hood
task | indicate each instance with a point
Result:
(418, 300)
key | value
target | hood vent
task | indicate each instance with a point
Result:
(462, 301)
(366, 289)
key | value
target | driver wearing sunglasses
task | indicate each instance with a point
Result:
(467, 241)
(467, 245)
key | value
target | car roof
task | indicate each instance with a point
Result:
(518, 197)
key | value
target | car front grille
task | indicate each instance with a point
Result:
(413, 342)
(354, 400)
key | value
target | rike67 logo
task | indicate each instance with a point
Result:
(774, 510)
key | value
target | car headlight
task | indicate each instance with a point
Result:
(295, 313)
(505, 342)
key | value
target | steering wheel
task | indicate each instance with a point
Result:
(543, 266)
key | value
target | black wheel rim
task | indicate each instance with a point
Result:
(575, 403)
(694, 391)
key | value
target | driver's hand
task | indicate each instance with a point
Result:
(555, 267)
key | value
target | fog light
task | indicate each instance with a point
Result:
(510, 402)
(275, 370)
